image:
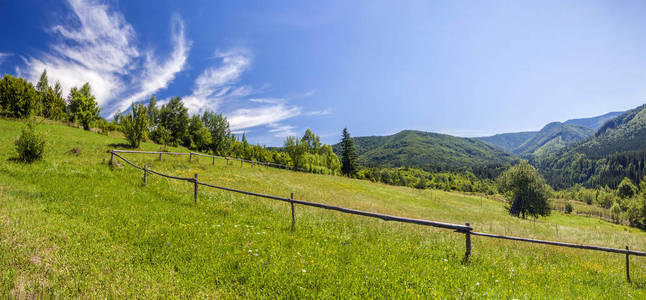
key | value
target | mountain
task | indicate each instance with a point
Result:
(508, 141)
(551, 138)
(594, 123)
(428, 151)
(617, 150)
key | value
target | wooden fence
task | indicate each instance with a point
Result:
(466, 229)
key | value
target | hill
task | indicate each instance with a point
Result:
(73, 226)
(426, 150)
(508, 141)
(553, 137)
(617, 150)
(594, 123)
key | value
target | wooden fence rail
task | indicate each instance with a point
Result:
(466, 229)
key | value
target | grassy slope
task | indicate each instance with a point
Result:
(71, 225)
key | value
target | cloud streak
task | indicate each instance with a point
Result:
(99, 47)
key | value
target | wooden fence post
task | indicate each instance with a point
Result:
(293, 215)
(160, 156)
(627, 265)
(241, 163)
(467, 236)
(190, 156)
(111, 157)
(145, 171)
(213, 163)
(227, 161)
(195, 191)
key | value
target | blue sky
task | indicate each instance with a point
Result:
(276, 68)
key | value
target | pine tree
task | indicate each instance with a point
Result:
(42, 88)
(153, 112)
(349, 159)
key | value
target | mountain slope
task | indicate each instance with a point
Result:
(617, 150)
(553, 137)
(508, 141)
(594, 123)
(426, 150)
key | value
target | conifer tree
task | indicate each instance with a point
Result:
(42, 87)
(349, 159)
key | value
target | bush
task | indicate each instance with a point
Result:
(615, 212)
(568, 207)
(30, 145)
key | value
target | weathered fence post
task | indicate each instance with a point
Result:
(190, 156)
(627, 265)
(293, 215)
(160, 156)
(213, 163)
(241, 163)
(227, 161)
(111, 157)
(145, 171)
(467, 236)
(195, 191)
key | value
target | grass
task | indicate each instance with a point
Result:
(71, 225)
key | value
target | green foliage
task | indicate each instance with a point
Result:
(174, 117)
(296, 150)
(311, 141)
(82, 106)
(200, 137)
(349, 158)
(18, 98)
(526, 191)
(568, 207)
(153, 113)
(160, 135)
(553, 137)
(615, 212)
(431, 152)
(53, 103)
(587, 195)
(135, 125)
(42, 88)
(218, 126)
(31, 144)
(626, 189)
(417, 178)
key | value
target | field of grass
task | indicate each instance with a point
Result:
(71, 225)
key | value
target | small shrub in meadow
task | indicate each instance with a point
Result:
(30, 145)
(568, 207)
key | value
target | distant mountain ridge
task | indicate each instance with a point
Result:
(427, 150)
(616, 150)
(551, 138)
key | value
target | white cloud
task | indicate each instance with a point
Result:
(4, 56)
(282, 130)
(268, 100)
(157, 76)
(99, 47)
(257, 116)
(216, 84)
(323, 112)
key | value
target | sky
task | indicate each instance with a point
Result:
(276, 68)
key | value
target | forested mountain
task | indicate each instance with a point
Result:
(594, 123)
(617, 150)
(553, 137)
(508, 141)
(429, 151)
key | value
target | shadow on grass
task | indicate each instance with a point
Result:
(121, 146)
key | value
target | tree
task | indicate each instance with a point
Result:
(312, 141)
(615, 212)
(525, 190)
(349, 158)
(31, 144)
(626, 189)
(135, 125)
(153, 112)
(17, 96)
(296, 150)
(42, 87)
(174, 117)
(82, 106)
(200, 137)
(53, 103)
(218, 126)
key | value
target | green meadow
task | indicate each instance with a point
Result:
(71, 225)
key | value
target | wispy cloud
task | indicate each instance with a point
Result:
(323, 112)
(4, 56)
(264, 115)
(99, 47)
(282, 130)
